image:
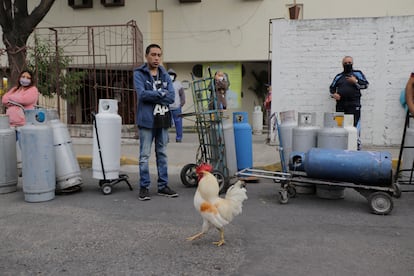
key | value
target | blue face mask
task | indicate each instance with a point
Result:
(25, 82)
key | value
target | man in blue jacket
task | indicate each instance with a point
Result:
(346, 90)
(155, 92)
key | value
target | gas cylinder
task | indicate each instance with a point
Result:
(243, 140)
(66, 165)
(107, 132)
(8, 158)
(333, 135)
(231, 157)
(38, 157)
(359, 167)
(287, 123)
(304, 136)
(352, 132)
(257, 120)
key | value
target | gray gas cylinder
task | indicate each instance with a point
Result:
(304, 137)
(231, 158)
(67, 168)
(287, 123)
(333, 135)
(8, 159)
(38, 157)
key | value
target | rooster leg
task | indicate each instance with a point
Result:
(204, 229)
(221, 241)
(196, 236)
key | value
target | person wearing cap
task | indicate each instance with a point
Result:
(176, 106)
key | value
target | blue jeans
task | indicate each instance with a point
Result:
(146, 136)
(178, 122)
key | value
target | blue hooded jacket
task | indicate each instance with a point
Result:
(147, 97)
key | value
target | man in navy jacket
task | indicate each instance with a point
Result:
(346, 90)
(155, 92)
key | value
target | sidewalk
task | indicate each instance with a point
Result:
(181, 154)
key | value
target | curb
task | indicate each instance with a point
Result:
(85, 161)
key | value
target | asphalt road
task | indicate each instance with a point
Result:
(88, 233)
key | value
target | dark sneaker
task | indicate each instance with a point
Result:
(143, 194)
(166, 191)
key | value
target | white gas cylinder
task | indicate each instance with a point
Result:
(257, 120)
(352, 131)
(107, 132)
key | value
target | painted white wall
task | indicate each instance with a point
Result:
(307, 55)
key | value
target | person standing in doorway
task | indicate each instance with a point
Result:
(346, 90)
(176, 107)
(155, 92)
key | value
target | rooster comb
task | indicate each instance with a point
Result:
(204, 167)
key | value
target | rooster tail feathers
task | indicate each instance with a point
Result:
(236, 194)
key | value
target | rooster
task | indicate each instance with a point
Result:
(215, 210)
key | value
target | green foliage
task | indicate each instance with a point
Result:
(259, 88)
(52, 71)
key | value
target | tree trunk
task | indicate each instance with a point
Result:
(17, 25)
(16, 53)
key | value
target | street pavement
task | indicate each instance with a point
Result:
(88, 233)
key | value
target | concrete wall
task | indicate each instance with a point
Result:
(307, 55)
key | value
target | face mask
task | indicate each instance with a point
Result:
(25, 82)
(347, 68)
(220, 78)
(172, 77)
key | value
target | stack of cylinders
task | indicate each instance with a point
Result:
(107, 132)
(66, 165)
(243, 140)
(408, 157)
(287, 123)
(332, 136)
(352, 132)
(8, 158)
(304, 137)
(257, 120)
(38, 157)
(229, 142)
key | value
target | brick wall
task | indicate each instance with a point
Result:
(307, 54)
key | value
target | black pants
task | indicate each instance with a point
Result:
(350, 108)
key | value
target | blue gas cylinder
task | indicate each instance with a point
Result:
(243, 140)
(359, 167)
